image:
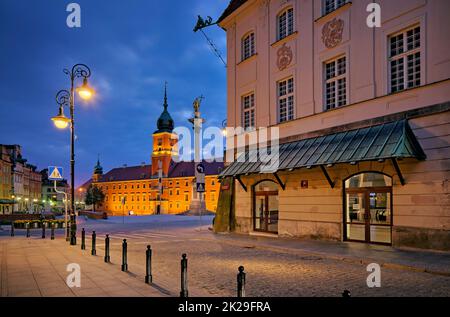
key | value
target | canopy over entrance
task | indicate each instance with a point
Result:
(393, 140)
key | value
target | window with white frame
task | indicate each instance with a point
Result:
(329, 6)
(285, 93)
(248, 111)
(404, 59)
(285, 23)
(335, 83)
(248, 46)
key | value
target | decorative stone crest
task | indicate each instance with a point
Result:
(285, 55)
(332, 33)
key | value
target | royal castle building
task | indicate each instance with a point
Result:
(363, 113)
(136, 189)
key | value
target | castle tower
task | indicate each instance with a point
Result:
(163, 141)
(98, 172)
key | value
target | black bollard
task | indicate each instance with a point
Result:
(68, 232)
(73, 233)
(83, 239)
(94, 236)
(124, 256)
(346, 293)
(28, 229)
(148, 275)
(241, 282)
(12, 229)
(184, 286)
(43, 230)
(107, 257)
(52, 234)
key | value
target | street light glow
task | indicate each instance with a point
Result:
(85, 92)
(61, 121)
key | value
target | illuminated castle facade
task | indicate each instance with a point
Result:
(135, 190)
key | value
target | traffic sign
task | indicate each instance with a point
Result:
(200, 187)
(200, 174)
(55, 173)
(200, 168)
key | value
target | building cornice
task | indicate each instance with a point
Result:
(408, 114)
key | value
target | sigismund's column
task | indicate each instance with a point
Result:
(197, 206)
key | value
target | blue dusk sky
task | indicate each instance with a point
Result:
(132, 48)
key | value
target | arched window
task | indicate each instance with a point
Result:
(285, 23)
(248, 46)
(368, 180)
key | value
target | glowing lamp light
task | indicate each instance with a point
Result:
(61, 121)
(85, 92)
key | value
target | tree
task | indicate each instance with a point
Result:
(94, 196)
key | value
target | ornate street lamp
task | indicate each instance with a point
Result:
(66, 98)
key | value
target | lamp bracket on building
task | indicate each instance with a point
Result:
(327, 176)
(203, 23)
(283, 186)
(238, 177)
(398, 171)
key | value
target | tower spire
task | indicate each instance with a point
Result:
(165, 95)
(165, 122)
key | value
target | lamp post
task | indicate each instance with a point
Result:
(67, 98)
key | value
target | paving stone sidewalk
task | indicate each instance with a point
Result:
(33, 267)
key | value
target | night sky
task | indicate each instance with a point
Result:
(132, 48)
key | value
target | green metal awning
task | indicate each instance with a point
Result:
(7, 201)
(393, 140)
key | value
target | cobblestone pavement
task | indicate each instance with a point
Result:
(213, 264)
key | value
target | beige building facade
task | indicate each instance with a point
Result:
(23, 180)
(363, 116)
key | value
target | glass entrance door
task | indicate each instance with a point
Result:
(368, 210)
(265, 207)
(266, 212)
(368, 215)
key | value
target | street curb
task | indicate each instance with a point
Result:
(354, 260)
